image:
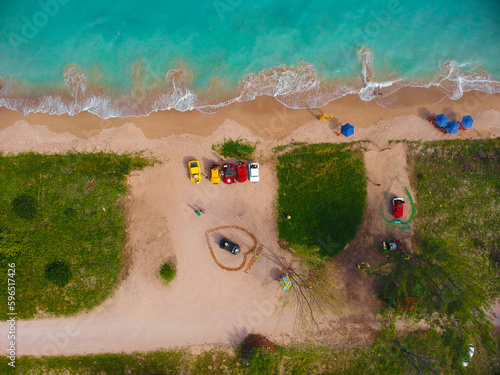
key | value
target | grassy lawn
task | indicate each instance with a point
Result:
(323, 190)
(292, 360)
(62, 219)
(458, 200)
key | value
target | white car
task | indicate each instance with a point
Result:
(253, 171)
(471, 353)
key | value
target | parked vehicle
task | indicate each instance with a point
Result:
(195, 171)
(392, 245)
(241, 171)
(397, 206)
(230, 246)
(253, 171)
(471, 353)
(228, 173)
(215, 173)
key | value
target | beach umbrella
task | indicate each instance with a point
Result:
(347, 130)
(452, 127)
(441, 120)
(285, 282)
(467, 122)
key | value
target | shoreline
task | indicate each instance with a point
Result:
(267, 118)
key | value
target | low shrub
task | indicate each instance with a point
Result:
(167, 272)
(255, 342)
(58, 273)
(238, 149)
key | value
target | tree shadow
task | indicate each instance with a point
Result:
(334, 124)
(425, 114)
(316, 112)
(237, 334)
(275, 273)
(451, 114)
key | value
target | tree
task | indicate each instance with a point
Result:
(312, 290)
(257, 349)
(448, 290)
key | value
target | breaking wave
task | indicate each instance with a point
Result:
(295, 87)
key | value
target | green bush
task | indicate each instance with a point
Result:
(253, 342)
(24, 206)
(58, 273)
(238, 149)
(167, 272)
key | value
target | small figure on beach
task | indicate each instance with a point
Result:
(202, 210)
(363, 266)
(377, 93)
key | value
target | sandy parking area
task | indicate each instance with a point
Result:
(206, 304)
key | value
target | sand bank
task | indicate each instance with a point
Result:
(268, 119)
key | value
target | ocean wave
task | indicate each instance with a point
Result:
(295, 87)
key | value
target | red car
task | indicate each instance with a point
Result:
(241, 170)
(397, 206)
(228, 173)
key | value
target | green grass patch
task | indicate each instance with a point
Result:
(288, 146)
(322, 188)
(292, 360)
(167, 272)
(238, 149)
(458, 195)
(381, 358)
(62, 224)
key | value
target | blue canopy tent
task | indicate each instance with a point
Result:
(441, 120)
(467, 122)
(452, 127)
(285, 282)
(347, 130)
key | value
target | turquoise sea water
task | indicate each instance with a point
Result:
(122, 58)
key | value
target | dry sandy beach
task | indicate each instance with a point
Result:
(206, 304)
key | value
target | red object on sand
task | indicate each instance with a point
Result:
(241, 170)
(397, 206)
(228, 173)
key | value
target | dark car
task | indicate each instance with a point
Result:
(392, 245)
(228, 173)
(229, 246)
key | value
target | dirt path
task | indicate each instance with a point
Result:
(205, 303)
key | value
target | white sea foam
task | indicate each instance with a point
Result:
(295, 87)
(75, 81)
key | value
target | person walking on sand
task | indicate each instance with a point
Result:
(202, 210)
